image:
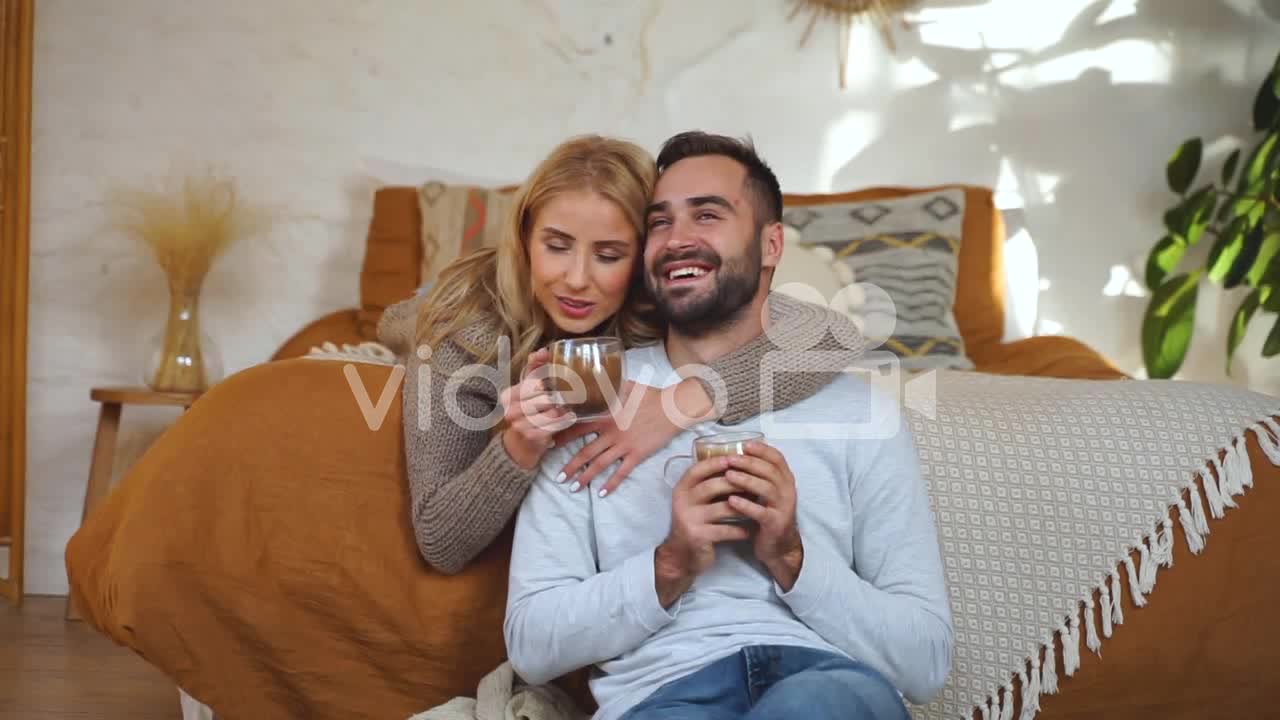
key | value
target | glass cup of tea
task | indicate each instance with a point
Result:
(586, 375)
(728, 443)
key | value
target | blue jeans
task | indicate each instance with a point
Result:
(775, 681)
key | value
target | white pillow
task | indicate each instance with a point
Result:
(807, 272)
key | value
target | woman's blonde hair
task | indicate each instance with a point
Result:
(494, 283)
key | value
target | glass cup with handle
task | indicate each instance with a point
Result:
(726, 443)
(586, 375)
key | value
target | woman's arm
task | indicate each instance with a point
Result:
(464, 486)
(804, 348)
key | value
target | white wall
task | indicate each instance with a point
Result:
(302, 98)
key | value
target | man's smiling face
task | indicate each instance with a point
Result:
(702, 254)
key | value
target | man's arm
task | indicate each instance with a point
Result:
(562, 613)
(890, 609)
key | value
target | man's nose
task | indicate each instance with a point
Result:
(683, 235)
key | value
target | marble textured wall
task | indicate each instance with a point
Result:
(312, 103)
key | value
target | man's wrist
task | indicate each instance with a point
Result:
(786, 568)
(670, 575)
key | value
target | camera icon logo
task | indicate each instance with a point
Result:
(882, 388)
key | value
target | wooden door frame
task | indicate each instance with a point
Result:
(16, 22)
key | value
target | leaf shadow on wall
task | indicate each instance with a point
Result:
(1086, 154)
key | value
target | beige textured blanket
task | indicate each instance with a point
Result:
(1044, 491)
(501, 697)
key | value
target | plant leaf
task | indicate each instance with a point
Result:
(1256, 172)
(1266, 103)
(1229, 167)
(1248, 208)
(1184, 164)
(1228, 247)
(1188, 219)
(1275, 71)
(1164, 257)
(1240, 324)
(1271, 346)
(1168, 323)
(1267, 265)
(1243, 261)
(1202, 213)
(1270, 295)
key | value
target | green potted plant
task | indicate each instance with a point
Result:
(1237, 210)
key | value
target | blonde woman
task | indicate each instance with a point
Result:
(569, 263)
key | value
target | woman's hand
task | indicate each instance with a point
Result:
(647, 426)
(532, 415)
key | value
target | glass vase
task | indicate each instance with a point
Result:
(181, 358)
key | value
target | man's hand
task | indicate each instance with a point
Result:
(764, 473)
(689, 549)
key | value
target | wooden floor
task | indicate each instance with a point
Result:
(52, 669)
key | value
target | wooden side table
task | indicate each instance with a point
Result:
(113, 399)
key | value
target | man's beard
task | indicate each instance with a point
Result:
(694, 312)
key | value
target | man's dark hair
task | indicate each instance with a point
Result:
(762, 184)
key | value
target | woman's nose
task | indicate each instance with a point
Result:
(578, 274)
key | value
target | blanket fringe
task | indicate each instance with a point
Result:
(1195, 542)
(1031, 691)
(1220, 472)
(1135, 587)
(1104, 599)
(1221, 480)
(1147, 571)
(1006, 702)
(1117, 612)
(1091, 640)
(1049, 673)
(1197, 508)
(1071, 651)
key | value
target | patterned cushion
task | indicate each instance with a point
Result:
(457, 219)
(904, 254)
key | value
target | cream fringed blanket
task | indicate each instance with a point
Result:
(1042, 487)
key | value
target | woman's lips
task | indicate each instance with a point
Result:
(576, 309)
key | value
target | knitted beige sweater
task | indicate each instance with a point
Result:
(465, 488)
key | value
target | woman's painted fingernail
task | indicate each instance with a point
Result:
(561, 478)
(575, 487)
(604, 491)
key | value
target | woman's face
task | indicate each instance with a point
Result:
(582, 254)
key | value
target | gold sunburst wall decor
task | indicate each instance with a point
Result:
(843, 13)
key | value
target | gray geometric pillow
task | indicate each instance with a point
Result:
(905, 251)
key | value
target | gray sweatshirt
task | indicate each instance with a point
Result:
(871, 585)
